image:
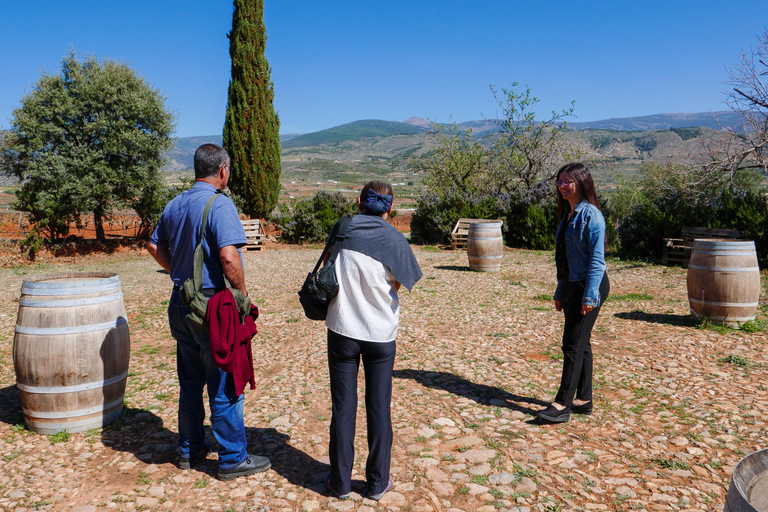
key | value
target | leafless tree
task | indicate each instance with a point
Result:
(735, 150)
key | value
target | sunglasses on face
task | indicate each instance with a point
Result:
(564, 183)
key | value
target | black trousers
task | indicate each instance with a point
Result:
(343, 362)
(576, 379)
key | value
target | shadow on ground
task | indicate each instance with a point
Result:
(457, 268)
(659, 318)
(142, 433)
(10, 406)
(480, 393)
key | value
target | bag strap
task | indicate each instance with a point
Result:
(197, 278)
(341, 234)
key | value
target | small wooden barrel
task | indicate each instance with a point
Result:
(71, 351)
(748, 491)
(724, 281)
(485, 246)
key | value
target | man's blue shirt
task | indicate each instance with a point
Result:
(179, 229)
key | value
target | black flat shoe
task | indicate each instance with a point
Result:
(252, 464)
(554, 415)
(585, 409)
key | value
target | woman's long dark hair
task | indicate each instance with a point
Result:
(580, 173)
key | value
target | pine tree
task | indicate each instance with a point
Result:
(251, 129)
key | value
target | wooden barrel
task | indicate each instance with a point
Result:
(748, 491)
(70, 351)
(485, 246)
(724, 281)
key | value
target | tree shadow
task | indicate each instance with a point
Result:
(480, 393)
(454, 267)
(659, 318)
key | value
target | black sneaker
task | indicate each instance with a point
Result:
(379, 495)
(332, 492)
(202, 453)
(252, 464)
(585, 409)
(554, 415)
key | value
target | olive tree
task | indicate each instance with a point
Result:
(88, 140)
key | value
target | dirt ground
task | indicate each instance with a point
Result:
(676, 406)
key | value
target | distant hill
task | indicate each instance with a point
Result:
(713, 120)
(182, 156)
(351, 131)
(389, 144)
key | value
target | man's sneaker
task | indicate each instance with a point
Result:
(252, 464)
(202, 453)
(332, 492)
(379, 495)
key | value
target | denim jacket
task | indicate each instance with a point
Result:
(585, 247)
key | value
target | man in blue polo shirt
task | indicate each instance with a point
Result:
(173, 246)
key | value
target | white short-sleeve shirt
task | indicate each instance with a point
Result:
(367, 307)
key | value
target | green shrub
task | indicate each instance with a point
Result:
(642, 232)
(436, 215)
(310, 220)
(532, 225)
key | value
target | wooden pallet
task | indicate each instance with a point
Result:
(255, 234)
(678, 250)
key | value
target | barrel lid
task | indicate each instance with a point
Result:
(71, 276)
(712, 243)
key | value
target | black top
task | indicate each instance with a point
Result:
(561, 254)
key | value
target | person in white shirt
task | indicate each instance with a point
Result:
(362, 323)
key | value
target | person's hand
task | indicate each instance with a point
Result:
(558, 305)
(586, 309)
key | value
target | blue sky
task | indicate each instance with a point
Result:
(340, 61)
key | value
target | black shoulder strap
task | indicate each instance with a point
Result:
(340, 229)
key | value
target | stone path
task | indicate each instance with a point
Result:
(478, 353)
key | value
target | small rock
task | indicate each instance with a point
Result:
(526, 485)
(280, 421)
(393, 498)
(626, 491)
(443, 488)
(475, 489)
(444, 422)
(310, 505)
(477, 456)
(157, 492)
(503, 478)
(341, 505)
(482, 469)
(146, 502)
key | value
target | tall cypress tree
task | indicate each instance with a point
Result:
(251, 128)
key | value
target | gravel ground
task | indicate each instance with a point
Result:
(676, 406)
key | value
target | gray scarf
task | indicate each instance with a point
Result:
(375, 237)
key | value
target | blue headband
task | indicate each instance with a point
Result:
(376, 203)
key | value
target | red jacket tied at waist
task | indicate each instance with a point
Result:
(230, 339)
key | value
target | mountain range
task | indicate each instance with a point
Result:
(388, 143)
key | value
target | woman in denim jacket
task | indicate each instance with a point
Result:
(582, 286)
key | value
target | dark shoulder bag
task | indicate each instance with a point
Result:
(321, 287)
(191, 292)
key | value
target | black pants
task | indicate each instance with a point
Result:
(343, 362)
(577, 350)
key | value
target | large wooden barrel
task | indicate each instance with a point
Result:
(71, 351)
(748, 491)
(485, 246)
(724, 281)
